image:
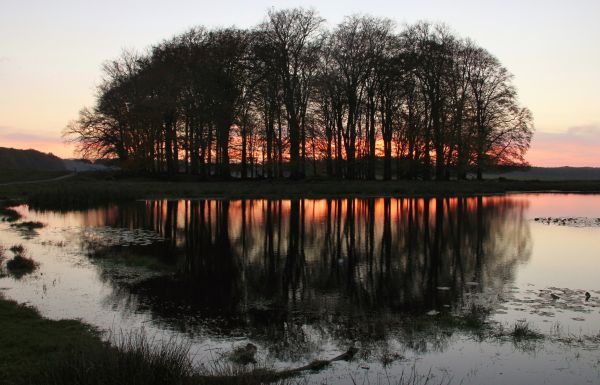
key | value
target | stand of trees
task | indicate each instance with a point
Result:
(290, 99)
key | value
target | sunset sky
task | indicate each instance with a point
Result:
(51, 53)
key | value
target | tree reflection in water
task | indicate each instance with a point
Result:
(291, 274)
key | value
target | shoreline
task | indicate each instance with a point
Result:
(139, 188)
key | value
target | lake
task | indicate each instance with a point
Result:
(471, 290)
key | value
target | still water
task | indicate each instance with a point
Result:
(420, 285)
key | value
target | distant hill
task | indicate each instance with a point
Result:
(551, 173)
(13, 159)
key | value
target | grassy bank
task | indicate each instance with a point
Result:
(10, 176)
(28, 342)
(86, 191)
(35, 350)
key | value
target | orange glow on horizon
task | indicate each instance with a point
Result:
(543, 152)
(61, 149)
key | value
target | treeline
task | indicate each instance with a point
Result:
(290, 98)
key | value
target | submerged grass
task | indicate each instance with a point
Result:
(115, 256)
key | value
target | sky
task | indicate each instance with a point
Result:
(51, 53)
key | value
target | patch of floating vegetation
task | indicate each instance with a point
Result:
(20, 265)
(569, 221)
(111, 236)
(28, 225)
(546, 302)
(28, 229)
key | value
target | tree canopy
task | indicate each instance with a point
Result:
(290, 98)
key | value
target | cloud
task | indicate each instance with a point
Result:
(25, 137)
(577, 146)
(11, 137)
(585, 133)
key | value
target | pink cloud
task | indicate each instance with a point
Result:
(45, 143)
(578, 146)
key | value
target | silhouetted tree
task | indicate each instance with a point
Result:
(288, 94)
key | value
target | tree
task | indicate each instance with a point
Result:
(288, 94)
(294, 37)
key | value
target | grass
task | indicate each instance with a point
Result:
(521, 330)
(9, 176)
(34, 350)
(89, 190)
(475, 316)
(133, 359)
(65, 196)
(27, 341)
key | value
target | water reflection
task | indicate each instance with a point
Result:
(283, 271)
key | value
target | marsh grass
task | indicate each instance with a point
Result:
(133, 358)
(137, 359)
(387, 358)
(521, 333)
(475, 316)
(522, 330)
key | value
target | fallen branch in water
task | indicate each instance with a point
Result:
(260, 376)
